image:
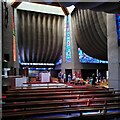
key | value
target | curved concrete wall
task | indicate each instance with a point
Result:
(90, 32)
(40, 37)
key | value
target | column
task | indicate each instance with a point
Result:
(7, 43)
(16, 62)
(66, 61)
(0, 60)
(113, 53)
(74, 64)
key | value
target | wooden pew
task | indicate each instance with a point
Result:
(66, 104)
(55, 89)
(69, 102)
(69, 95)
(25, 100)
(65, 110)
(55, 93)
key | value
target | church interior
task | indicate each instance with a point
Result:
(59, 60)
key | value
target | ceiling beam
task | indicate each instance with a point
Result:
(15, 4)
(65, 10)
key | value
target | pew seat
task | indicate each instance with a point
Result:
(60, 103)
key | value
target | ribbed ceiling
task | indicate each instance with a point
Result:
(40, 36)
(90, 31)
(109, 7)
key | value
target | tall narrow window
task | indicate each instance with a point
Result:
(14, 39)
(68, 47)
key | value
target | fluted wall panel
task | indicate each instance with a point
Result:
(40, 36)
(89, 28)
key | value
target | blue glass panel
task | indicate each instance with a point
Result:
(68, 47)
(59, 61)
(84, 58)
(118, 27)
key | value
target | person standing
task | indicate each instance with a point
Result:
(64, 77)
(99, 77)
(94, 79)
(69, 78)
(59, 76)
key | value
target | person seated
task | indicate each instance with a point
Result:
(73, 79)
(77, 81)
(82, 81)
(87, 81)
(37, 78)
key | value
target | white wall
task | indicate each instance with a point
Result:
(40, 8)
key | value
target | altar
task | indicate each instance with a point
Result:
(45, 77)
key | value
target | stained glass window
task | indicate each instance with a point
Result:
(59, 61)
(14, 40)
(68, 47)
(118, 27)
(84, 58)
